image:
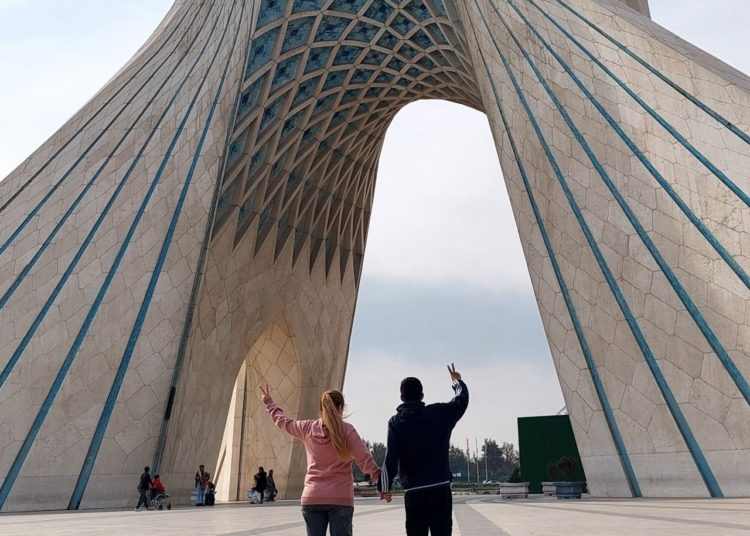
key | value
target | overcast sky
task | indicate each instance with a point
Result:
(444, 276)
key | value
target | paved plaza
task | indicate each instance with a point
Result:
(473, 516)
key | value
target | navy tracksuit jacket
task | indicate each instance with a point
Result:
(419, 440)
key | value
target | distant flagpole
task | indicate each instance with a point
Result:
(476, 455)
(468, 462)
(486, 473)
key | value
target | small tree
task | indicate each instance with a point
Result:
(566, 466)
(378, 452)
(457, 461)
(515, 476)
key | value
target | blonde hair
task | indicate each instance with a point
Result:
(331, 409)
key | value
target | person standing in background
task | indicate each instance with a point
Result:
(272, 491)
(144, 488)
(261, 483)
(201, 480)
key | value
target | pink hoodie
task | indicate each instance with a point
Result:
(328, 479)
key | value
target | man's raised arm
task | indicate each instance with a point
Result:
(461, 401)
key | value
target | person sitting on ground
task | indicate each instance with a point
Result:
(157, 487)
(252, 496)
(210, 498)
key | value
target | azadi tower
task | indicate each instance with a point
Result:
(200, 225)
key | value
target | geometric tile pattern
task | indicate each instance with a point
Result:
(322, 82)
(200, 225)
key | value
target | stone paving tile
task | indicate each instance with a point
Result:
(618, 517)
(473, 522)
(474, 516)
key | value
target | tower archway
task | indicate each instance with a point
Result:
(223, 180)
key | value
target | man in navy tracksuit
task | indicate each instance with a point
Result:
(418, 442)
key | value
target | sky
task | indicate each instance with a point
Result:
(444, 278)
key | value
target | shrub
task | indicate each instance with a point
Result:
(515, 476)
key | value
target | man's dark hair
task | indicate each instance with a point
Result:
(411, 390)
(146, 469)
(201, 467)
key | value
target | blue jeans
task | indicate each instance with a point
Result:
(200, 494)
(319, 516)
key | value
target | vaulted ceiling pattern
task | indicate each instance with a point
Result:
(323, 80)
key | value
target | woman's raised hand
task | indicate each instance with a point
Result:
(265, 390)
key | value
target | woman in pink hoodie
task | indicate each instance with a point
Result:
(331, 445)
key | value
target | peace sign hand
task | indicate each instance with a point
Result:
(265, 390)
(455, 376)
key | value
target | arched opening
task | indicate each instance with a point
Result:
(249, 439)
(443, 205)
(445, 280)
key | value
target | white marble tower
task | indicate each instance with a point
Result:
(200, 224)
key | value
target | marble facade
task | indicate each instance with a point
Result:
(200, 224)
